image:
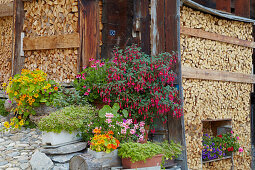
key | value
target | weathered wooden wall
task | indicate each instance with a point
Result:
(6, 26)
(207, 99)
(47, 18)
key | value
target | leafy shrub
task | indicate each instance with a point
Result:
(68, 97)
(143, 85)
(91, 79)
(3, 112)
(141, 152)
(68, 119)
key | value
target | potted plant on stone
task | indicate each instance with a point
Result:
(137, 155)
(64, 125)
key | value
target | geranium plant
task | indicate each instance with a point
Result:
(91, 79)
(30, 89)
(104, 142)
(142, 84)
(220, 146)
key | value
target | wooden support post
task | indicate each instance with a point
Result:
(89, 31)
(223, 5)
(242, 8)
(18, 20)
(145, 27)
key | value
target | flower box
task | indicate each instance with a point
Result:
(51, 138)
(151, 162)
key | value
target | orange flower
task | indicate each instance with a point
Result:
(110, 132)
(56, 88)
(114, 146)
(109, 146)
(118, 142)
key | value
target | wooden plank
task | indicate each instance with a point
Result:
(157, 26)
(89, 29)
(51, 42)
(6, 9)
(145, 27)
(18, 14)
(242, 8)
(223, 5)
(216, 37)
(205, 74)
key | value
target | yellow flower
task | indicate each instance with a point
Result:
(4, 84)
(49, 85)
(21, 123)
(30, 97)
(16, 126)
(10, 78)
(16, 93)
(6, 124)
(19, 117)
(37, 69)
(36, 95)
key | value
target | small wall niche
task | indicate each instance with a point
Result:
(217, 126)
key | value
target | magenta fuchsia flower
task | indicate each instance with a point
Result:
(93, 65)
(84, 86)
(83, 77)
(78, 76)
(86, 93)
(109, 115)
(89, 90)
(91, 59)
(232, 132)
(237, 138)
(240, 149)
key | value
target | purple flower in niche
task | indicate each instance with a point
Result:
(10, 101)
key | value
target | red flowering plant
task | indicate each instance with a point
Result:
(143, 85)
(91, 79)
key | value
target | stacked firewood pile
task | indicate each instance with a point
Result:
(47, 18)
(205, 99)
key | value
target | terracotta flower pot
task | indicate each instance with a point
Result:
(151, 162)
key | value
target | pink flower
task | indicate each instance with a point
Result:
(136, 126)
(240, 149)
(129, 121)
(108, 121)
(109, 115)
(142, 124)
(93, 66)
(237, 138)
(123, 131)
(84, 67)
(89, 90)
(78, 76)
(97, 61)
(142, 130)
(132, 131)
(91, 59)
(84, 86)
(86, 93)
(141, 138)
(84, 78)
(232, 132)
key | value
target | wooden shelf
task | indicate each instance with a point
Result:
(214, 160)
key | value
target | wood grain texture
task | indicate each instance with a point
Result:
(242, 8)
(216, 37)
(6, 9)
(206, 74)
(223, 5)
(51, 42)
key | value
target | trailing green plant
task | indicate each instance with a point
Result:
(68, 97)
(68, 119)
(91, 79)
(3, 111)
(143, 85)
(141, 152)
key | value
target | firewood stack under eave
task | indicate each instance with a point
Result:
(204, 99)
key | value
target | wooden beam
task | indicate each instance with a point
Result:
(6, 9)
(51, 42)
(205, 74)
(145, 26)
(216, 37)
(223, 5)
(18, 21)
(242, 8)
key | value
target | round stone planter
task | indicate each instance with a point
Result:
(151, 162)
(51, 138)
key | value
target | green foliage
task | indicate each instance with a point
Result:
(68, 97)
(91, 79)
(3, 112)
(141, 152)
(69, 119)
(114, 110)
